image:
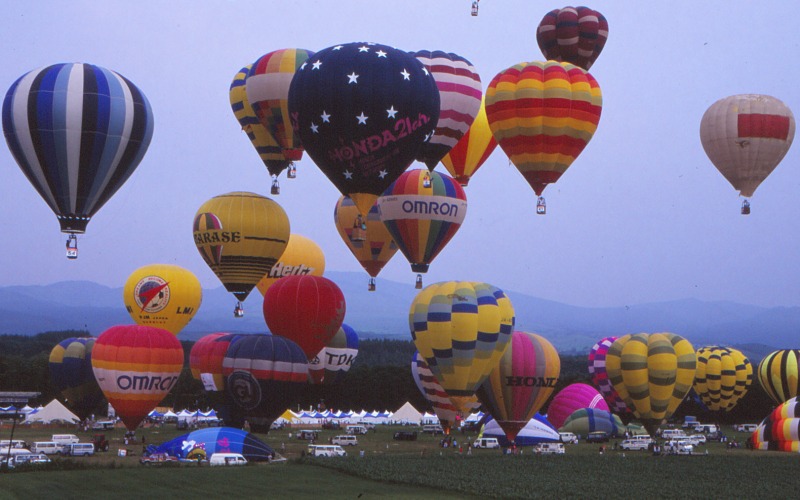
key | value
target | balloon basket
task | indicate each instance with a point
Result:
(72, 247)
(541, 206)
(745, 207)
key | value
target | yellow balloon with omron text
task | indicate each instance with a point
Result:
(302, 256)
(162, 295)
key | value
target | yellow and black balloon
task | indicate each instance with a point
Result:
(723, 377)
(162, 295)
(652, 373)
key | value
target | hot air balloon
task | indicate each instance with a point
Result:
(575, 35)
(363, 112)
(366, 237)
(459, 101)
(267, 89)
(240, 236)
(162, 295)
(264, 374)
(72, 376)
(780, 431)
(136, 366)
(265, 144)
(652, 373)
(586, 420)
(777, 373)
(723, 376)
(472, 150)
(746, 136)
(461, 330)
(442, 406)
(336, 358)
(572, 398)
(302, 256)
(309, 310)
(205, 361)
(78, 132)
(543, 114)
(521, 382)
(422, 211)
(599, 376)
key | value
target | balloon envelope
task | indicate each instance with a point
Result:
(205, 361)
(521, 382)
(543, 114)
(442, 406)
(162, 295)
(309, 310)
(723, 376)
(136, 366)
(746, 137)
(652, 373)
(377, 247)
(71, 374)
(472, 150)
(423, 211)
(78, 132)
(575, 35)
(301, 257)
(572, 398)
(461, 329)
(206, 442)
(240, 236)
(363, 112)
(585, 420)
(597, 371)
(780, 431)
(777, 373)
(336, 358)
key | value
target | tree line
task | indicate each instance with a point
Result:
(380, 379)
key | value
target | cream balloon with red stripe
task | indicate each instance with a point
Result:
(136, 366)
(746, 136)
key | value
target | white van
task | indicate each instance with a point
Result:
(568, 437)
(549, 448)
(326, 450)
(432, 429)
(739, 427)
(78, 449)
(64, 438)
(46, 447)
(16, 443)
(669, 434)
(345, 440)
(218, 459)
(356, 429)
(488, 443)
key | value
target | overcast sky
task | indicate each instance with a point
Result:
(641, 216)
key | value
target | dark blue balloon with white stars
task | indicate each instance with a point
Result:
(363, 111)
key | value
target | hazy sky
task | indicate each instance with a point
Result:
(641, 216)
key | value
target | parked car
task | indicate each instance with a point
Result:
(78, 449)
(345, 440)
(432, 429)
(308, 434)
(597, 437)
(488, 443)
(634, 444)
(228, 459)
(568, 437)
(103, 425)
(325, 450)
(696, 439)
(549, 448)
(356, 429)
(678, 447)
(158, 459)
(30, 458)
(716, 436)
(405, 436)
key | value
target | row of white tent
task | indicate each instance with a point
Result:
(54, 411)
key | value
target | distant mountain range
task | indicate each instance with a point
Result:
(89, 306)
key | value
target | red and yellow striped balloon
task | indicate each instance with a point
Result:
(543, 114)
(472, 150)
(136, 366)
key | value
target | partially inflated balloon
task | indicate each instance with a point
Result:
(585, 420)
(336, 358)
(240, 236)
(267, 87)
(572, 398)
(423, 211)
(266, 146)
(459, 101)
(265, 374)
(723, 376)
(597, 371)
(363, 111)
(543, 114)
(472, 150)
(652, 373)
(136, 366)
(575, 35)
(461, 330)
(374, 246)
(521, 382)
(301, 257)
(780, 431)
(309, 310)
(778, 374)
(162, 295)
(746, 137)
(77, 131)
(72, 376)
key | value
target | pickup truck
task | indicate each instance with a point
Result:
(158, 459)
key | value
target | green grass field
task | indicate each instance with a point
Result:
(418, 469)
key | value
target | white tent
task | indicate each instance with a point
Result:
(54, 411)
(407, 414)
